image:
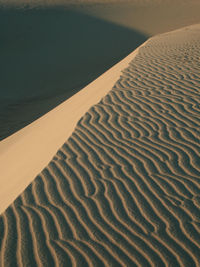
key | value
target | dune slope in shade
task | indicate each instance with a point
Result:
(48, 55)
(124, 190)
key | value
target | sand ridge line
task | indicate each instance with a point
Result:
(25, 144)
(124, 189)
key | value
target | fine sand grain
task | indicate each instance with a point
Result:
(124, 190)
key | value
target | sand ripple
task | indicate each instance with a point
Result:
(124, 190)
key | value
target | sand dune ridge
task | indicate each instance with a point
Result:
(124, 190)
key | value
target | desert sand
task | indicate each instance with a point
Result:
(50, 53)
(110, 177)
(31, 148)
(50, 49)
(124, 189)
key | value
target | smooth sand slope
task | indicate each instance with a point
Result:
(124, 190)
(24, 154)
(50, 53)
(149, 17)
(50, 49)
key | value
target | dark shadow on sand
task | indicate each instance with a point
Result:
(47, 55)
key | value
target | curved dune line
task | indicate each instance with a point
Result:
(28, 252)
(190, 138)
(78, 258)
(76, 224)
(78, 164)
(146, 246)
(130, 177)
(120, 158)
(45, 220)
(93, 254)
(49, 220)
(165, 142)
(65, 214)
(117, 220)
(120, 142)
(164, 108)
(117, 230)
(133, 142)
(89, 259)
(55, 207)
(47, 217)
(114, 163)
(172, 188)
(19, 235)
(140, 116)
(174, 212)
(124, 190)
(42, 244)
(9, 247)
(191, 152)
(64, 257)
(119, 215)
(164, 115)
(85, 148)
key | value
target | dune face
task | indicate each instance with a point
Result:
(50, 49)
(44, 136)
(124, 190)
(49, 54)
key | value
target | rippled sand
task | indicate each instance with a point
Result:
(124, 189)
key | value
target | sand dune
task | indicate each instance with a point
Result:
(50, 49)
(44, 136)
(48, 54)
(124, 190)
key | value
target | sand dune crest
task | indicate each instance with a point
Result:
(124, 190)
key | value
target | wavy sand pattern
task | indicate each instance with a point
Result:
(124, 190)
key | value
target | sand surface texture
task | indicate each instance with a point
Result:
(124, 190)
(49, 54)
(50, 49)
(19, 160)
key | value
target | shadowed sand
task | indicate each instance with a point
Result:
(44, 136)
(51, 49)
(49, 54)
(124, 190)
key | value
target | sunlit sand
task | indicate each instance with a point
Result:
(110, 177)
